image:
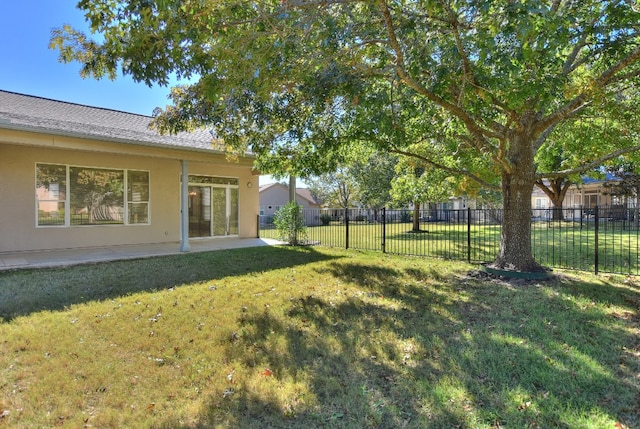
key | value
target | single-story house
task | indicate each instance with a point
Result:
(275, 195)
(580, 199)
(76, 176)
(452, 210)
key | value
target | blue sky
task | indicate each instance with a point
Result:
(28, 66)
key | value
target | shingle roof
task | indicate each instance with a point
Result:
(608, 177)
(307, 194)
(31, 113)
(301, 192)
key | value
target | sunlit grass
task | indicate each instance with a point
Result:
(314, 337)
(564, 244)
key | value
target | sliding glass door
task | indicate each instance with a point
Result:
(220, 220)
(213, 210)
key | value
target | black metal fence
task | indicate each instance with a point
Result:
(598, 239)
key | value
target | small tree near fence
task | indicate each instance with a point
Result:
(289, 221)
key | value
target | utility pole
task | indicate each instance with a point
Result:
(292, 188)
(292, 199)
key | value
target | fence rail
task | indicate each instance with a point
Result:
(598, 239)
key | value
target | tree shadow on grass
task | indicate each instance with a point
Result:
(28, 291)
(413, 349)
(445, 244)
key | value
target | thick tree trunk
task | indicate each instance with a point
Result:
(556, 191)
(515, 239)
(416, 217)
(556, 211)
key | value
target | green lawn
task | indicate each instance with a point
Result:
(445, 240)
(566, 245)
(315, 337)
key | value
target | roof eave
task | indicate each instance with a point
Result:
(15, 127)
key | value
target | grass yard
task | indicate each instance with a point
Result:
(565, 245)
(315, 337)
(438, 239)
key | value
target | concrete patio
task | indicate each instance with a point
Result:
(66, 257)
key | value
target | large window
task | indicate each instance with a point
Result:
(138, 196)
(69, 195)
(51, 196)
(96, 196)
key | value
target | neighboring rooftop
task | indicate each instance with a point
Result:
(307, 194)
(31, 113)
(301, 192)
(269, 185)
(608, 177)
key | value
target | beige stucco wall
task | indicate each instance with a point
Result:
(277, 195)
(20, 151)
(272, 197)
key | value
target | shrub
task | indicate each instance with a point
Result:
(289, 222)
(325, 219)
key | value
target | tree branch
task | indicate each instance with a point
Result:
(607, 77)
(623, 77)
(466, 66)
(588, 166)
(306, 4)
(559, 190)
(443, 167)
(569, 64)
(479, 134)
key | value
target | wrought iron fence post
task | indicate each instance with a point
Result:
(596, 220)
(346, 224)
(384, 229)
(469, 234)
(619, 254)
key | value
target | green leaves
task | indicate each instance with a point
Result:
(417, 182)
(296, 82)
(290, 223)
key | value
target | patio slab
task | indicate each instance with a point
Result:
(65, 257)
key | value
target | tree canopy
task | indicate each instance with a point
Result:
(335, 189)
(478, 85)
(363, 178)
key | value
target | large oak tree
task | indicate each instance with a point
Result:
(488, 80)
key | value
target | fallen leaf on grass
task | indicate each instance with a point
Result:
(524, 406)
(267, 372)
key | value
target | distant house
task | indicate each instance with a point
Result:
(452, 210)
(580, 199)
(275, 195)
(77, 176)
